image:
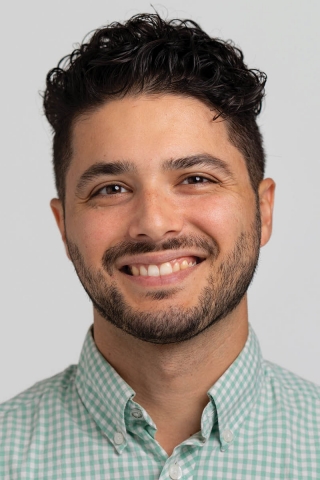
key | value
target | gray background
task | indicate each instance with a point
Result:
(44, 312)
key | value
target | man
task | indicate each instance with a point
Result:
(162, 207)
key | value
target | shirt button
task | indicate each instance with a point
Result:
(227, 435)
(136, 413)
(118, 438)
(175, 472)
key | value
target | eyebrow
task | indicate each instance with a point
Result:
(201, 160)
(119, 167)
(101, 168)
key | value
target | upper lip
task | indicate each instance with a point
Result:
(157, 257)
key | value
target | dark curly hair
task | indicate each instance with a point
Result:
(150, 55)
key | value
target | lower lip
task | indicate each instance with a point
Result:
(160, 281)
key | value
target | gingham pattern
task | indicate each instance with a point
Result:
(261, 422)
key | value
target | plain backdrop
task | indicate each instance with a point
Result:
(44, 311)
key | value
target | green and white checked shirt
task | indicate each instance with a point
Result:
(261, 422)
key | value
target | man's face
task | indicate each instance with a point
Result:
(160, 219)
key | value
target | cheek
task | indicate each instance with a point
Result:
(94, 232)
(220, 218)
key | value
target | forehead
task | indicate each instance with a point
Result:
(149, 130)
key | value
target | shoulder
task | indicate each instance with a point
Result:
(297, 395)
(47, 390)
(29, 419)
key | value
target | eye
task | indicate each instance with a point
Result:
(194, 179)
(112, 189)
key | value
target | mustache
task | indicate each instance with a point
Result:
(111, 255)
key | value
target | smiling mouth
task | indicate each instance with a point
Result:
(162, 269)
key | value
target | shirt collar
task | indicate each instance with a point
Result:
(236, 392)
(106, 395)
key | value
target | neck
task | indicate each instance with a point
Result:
(171, 381)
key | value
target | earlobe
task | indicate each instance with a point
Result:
(266, 201)
(58, 212)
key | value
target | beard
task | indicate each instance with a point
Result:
(225, 287)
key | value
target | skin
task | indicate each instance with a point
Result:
(156, 205)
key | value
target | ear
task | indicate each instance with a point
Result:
(58, 212)
(266, 201)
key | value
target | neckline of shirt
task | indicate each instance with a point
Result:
(108, 398)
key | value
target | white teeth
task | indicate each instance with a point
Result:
(135, 271)
(184, 265)
(143, 271)
(176, 267)
(165, 268)
(153, 271)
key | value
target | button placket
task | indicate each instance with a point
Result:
(175, 471)
(136, 413)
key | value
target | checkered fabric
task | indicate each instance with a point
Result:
(261, 422)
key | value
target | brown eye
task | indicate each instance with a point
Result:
(195, 179)
(111, 190)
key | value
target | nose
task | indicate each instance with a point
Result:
(156, 217)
